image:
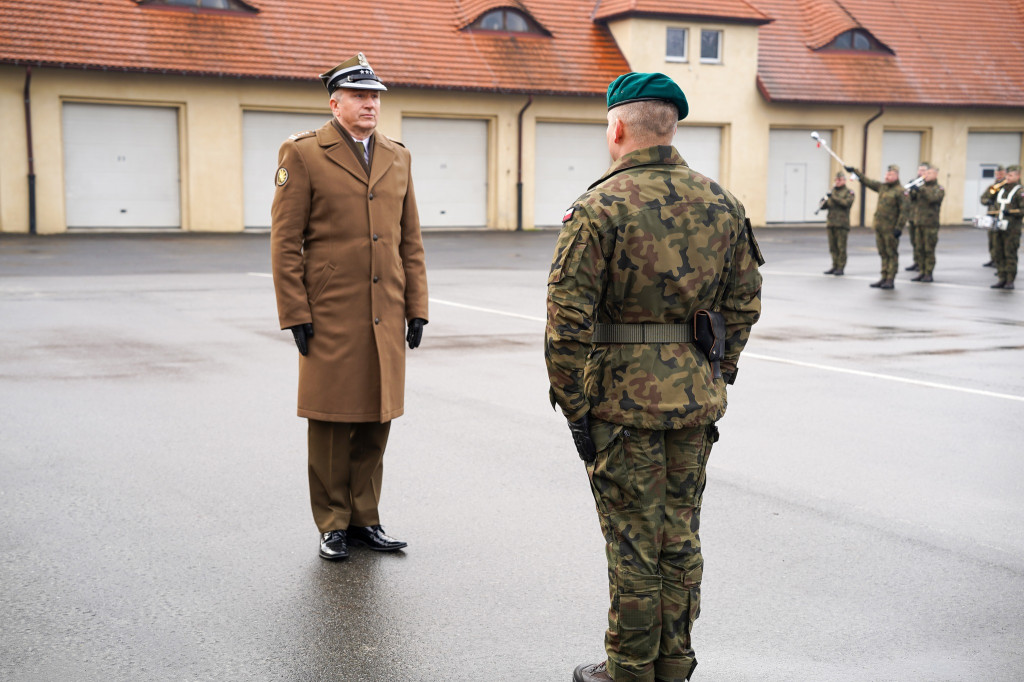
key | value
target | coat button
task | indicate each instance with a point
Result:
(375, 278)
(376, 320)
(371, 196)
(374, 237)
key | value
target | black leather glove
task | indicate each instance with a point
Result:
(898, 233)
(415, 334)
(850, 169)
(302, 334)
(581, 438)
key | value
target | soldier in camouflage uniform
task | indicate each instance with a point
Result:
(890, 217)
(988, 197)
(1009, 201)
(927, 200)
(646, 248)
(912, 221)
(838, 203)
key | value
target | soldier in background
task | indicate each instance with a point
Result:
(1009, 201)
(913, 221)
(838, 203)
(651, 296)
(890, 217)
(988, 197)
(927, 200)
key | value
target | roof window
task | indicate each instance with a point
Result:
(236, 5)
(857, 40)
(506, 20)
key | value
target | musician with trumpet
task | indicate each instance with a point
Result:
(1009, 204)
(890, 216)
(913, 221)
(926, 195)
(988, 198)
(838, 203)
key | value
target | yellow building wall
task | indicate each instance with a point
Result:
(211, 113)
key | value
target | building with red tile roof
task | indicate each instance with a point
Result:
(500, 101)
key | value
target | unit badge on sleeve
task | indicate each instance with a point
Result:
(282, 176)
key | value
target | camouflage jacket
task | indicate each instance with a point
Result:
(893, 207)
(927, 201)
(839, 201)
(650, 242)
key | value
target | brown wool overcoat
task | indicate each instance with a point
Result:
(347, 256)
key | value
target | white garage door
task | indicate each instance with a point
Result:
(986, 151)
(262, 135)
(569, 157)
(701, 146)
(121, 166)
(798, 175)
(902, 148)
(449, 170)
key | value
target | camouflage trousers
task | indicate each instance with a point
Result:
(914, 233)
(837, 237)
(1007, 245)
(648, 487)
(992, 245)
(924, 249)
(888, 250)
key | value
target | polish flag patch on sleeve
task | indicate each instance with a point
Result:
(568, 214)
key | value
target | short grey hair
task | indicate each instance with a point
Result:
(651, 122)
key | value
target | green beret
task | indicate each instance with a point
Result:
(1013, 168)
(641, 87)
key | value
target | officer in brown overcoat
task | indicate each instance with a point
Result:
(349, 274)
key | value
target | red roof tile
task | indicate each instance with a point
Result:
(721, 10)
(947, 52)
(409, 42)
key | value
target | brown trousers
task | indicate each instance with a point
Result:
(346, 468)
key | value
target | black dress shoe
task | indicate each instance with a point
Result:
(375, 538)
(911, 268)
(333, 545)
(594, 672)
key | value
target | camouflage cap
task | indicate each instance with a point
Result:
(1013, 169)
(642, 87)
(893, 167)
(1000, 167)
(840, 175)
(354, 73)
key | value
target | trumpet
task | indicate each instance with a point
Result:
(996, 187)
(916, 182)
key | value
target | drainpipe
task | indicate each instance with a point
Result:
(864, 159)
(31, 160)
(519, 167)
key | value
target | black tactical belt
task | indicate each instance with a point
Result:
(642, 333)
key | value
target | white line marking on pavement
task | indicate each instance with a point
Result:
(769, 358)
(260, 274)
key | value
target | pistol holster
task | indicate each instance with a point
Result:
(709, 335)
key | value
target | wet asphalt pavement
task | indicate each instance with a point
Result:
(863, 520)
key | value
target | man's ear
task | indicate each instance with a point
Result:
(618, 131)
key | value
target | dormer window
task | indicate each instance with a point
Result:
(857, 40)
(236, 5)
(506, 20)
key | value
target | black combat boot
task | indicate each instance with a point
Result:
(1008, 285)
(591, 673)
(878, 284)
(911, 268)
(998, 285)
(887, 284)
(919, 278)
(838, 272)
(990, 264)
(831, 271)
(927, 278)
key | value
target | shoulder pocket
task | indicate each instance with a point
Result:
(755, 249)
(569, 252)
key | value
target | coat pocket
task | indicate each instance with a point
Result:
(322, 278)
